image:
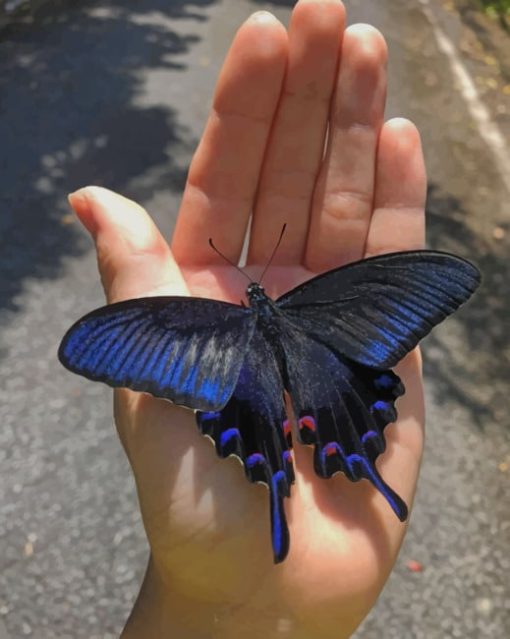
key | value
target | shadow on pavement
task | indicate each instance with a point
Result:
(68, 116)
(460, 356)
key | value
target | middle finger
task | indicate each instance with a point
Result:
(296, 144)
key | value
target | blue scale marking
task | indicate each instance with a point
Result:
(94, 331)
(166, 363)
(144, 354)
(277, 520)
(393, 339)
(131, 357)
(173, 372)
(385, 382)
(380, 405)
(159, 358)
(187, 385)
(254, 459)
(377, 348)
(102, 347)
(72, 349)
(227, 435)
(74, 345)
(116, 360)
(79, 345)
(420, 303)
(205, 417)
(404, 327)
(400, 328)
(209, 390)
(370, 434)
(114, 344)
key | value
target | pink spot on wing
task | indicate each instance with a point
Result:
(307, 422)
(330, 449)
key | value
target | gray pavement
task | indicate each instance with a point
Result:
(116, 93)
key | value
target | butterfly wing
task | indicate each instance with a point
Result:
(253, 427)
(187, 350)
(342, 408)
(375, 311)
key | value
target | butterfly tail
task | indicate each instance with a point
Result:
(397, 504)
(268, 464)
(369, 471)
(279, 488)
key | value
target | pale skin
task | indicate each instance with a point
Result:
(211, 572)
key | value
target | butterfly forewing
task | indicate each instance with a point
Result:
(188, 350)
(375, 311)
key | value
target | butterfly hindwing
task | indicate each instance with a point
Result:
(188, 350)
(253, 426)
(375, 311)
(342, 409)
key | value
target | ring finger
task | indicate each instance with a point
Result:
(296, 144)
(344, 195)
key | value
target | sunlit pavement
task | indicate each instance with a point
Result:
(118, 97)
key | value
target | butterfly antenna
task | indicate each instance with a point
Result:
(211, 244)
(274, 252)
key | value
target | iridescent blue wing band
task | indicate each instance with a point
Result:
(184, 349)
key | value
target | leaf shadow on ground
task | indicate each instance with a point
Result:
(68, 117)
(459, 356)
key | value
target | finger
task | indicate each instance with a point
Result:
(398, 220)
(297, 139)
(343, 199)
(224, 173)
(133, 257)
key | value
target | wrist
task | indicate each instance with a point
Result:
(160, 614)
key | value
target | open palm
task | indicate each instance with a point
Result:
(296, 135)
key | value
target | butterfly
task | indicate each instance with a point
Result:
(330, 344)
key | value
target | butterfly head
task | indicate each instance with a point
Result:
(255, 293)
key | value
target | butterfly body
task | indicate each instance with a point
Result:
(330, 344)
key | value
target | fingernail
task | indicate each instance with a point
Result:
(81, 206)
(262, 17)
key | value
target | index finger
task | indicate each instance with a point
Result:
(224, 172)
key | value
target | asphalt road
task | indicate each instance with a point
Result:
(116, 93)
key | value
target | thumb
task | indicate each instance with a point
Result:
(134, 259)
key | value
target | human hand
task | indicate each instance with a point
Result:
(211, 572)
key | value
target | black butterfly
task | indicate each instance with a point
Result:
(329, 343)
